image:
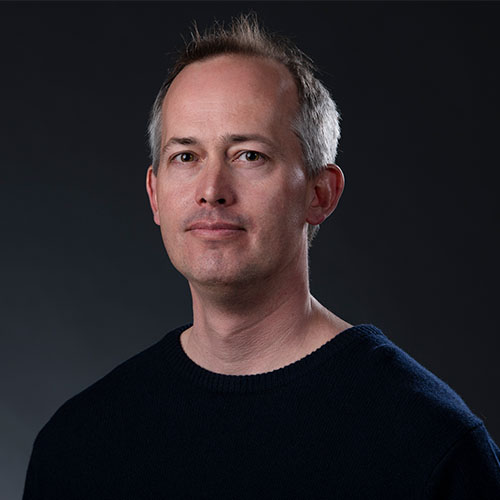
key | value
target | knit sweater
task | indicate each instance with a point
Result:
(358, 418)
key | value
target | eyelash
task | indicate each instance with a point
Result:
(261, 156)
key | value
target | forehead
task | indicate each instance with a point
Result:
(231, 90)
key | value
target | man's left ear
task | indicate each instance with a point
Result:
(327, 188)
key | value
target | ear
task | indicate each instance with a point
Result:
(327, 188)
(151, 189)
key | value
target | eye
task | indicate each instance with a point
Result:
(251, 156)
(183, 157)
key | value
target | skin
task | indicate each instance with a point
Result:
(232, 200)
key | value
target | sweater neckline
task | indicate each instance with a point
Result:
(219, 382)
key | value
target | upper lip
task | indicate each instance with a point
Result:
(213, 225)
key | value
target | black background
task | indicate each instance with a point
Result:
(412, 247)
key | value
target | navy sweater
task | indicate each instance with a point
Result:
(357, 418)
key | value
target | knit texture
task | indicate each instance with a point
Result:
(357, 418)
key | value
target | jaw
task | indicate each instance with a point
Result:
(242, 288)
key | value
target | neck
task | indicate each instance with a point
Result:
(259, 328)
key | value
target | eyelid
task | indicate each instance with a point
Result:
(262, 155)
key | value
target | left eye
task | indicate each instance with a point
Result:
(184, 157)
(251, 156)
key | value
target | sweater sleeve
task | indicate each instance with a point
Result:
(469, 470)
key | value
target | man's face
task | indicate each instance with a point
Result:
(231, 194)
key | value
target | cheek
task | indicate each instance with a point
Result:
(171, 215)
(280, 209)
(172, 203)
(293, 195)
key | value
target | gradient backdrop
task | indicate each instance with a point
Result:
(412, 248)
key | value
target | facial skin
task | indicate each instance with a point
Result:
(231, 195)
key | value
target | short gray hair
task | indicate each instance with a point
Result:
(317, 122)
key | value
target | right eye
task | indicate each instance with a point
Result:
(183, 157)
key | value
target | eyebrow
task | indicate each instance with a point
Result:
(236, 138)
(228, 138)
(185, 141)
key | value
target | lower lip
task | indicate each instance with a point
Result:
(216, 233)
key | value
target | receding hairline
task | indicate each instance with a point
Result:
(287, 78)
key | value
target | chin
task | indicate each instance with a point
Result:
(216, 279)
(222, 278)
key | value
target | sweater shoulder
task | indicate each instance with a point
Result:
(410, 391)
(402, 407)
(120, 388)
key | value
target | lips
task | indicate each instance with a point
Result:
(214, 226)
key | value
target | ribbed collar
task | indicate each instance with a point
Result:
(178, 360)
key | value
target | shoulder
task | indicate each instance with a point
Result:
(417, 420)
(414, 401)
(133, 380)
(407, 376)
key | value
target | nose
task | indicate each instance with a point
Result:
(214, 184)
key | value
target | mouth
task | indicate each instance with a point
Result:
(215, 229)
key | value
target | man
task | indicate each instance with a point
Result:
(267, 394)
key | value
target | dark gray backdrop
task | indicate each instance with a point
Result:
(412, 247)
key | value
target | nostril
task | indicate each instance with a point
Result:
(212, 201)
